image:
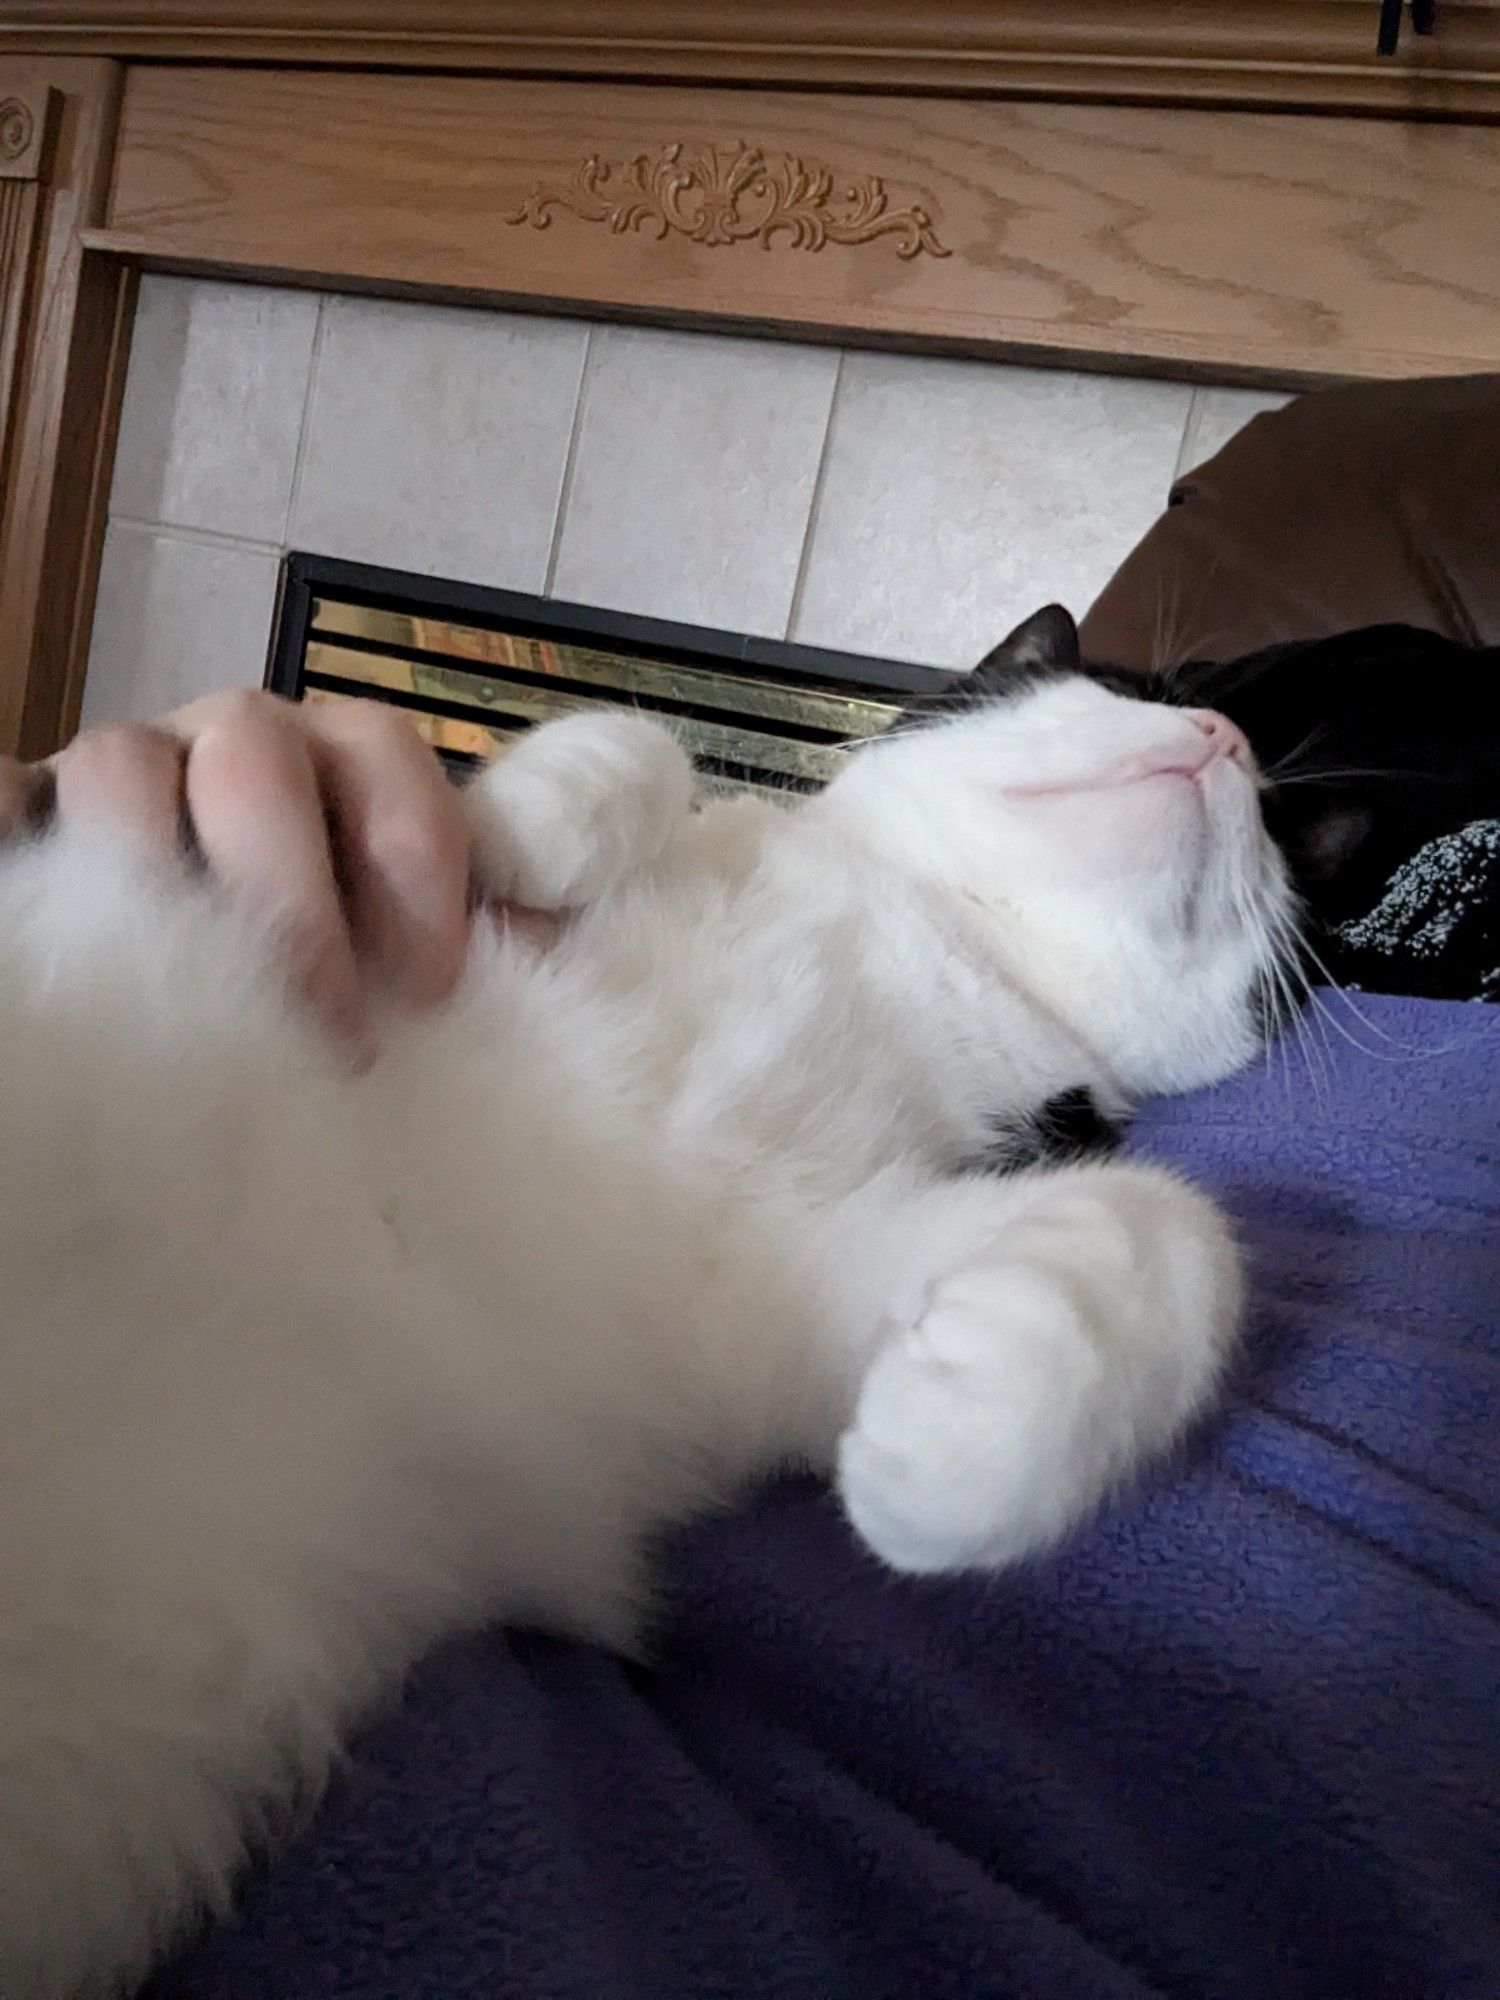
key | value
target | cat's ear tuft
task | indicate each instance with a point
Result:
(1045, 643)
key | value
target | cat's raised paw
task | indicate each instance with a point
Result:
(577, 804)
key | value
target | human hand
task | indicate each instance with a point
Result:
(334, 823)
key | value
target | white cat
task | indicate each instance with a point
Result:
(300, 1371)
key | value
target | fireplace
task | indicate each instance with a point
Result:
(909, 236)
(474, 668)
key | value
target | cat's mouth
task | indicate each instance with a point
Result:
(1189, 765)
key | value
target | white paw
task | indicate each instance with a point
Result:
(960, 1453)
(577, 804)
(1084, 1336)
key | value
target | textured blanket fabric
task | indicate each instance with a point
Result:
(1241, 1739)
(1436, 927)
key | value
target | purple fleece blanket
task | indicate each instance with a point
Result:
(1240, 1740)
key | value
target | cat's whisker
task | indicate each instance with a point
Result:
(1275, 938)
(1176, 651)
(1285, 941)
(1324, 1013)
(1314, 1026)
(1318, 1061)
(1166, 652)
(1272, 773)
(1288, 1025)
(1331, 776)
(1403, 1051)
(1157, 623)
(1325, 1018)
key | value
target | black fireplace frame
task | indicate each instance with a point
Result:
(809, 669)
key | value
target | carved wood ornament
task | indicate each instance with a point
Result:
(718, 195)
(17, 127)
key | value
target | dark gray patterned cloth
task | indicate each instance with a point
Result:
(1436, 929)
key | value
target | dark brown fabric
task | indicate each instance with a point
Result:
(1350, 507)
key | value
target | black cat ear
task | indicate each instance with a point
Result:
(1045, 643)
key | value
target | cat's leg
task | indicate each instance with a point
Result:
(1048, 1333)
(575, 806)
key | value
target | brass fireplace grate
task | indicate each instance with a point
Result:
(474, 668)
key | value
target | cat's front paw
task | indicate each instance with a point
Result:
(1087, 1333)
(577, 804)
(960, 1455)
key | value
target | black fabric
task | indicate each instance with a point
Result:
(1383, 777)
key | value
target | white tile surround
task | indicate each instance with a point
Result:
(880, 503)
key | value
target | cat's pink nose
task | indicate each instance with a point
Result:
(1227, 738)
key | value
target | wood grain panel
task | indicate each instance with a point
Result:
(25, 129)
(1268, 246)
(65, 355)
(1310, 53)
(18, 208)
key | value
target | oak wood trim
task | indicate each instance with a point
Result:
(106, 320)
(69, 339)
(18, 232)
(1236, 244)
(26, 125)
(27, 117)
(1314, 54)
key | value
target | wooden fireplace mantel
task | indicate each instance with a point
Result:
(1225, 188)
(1275, 53)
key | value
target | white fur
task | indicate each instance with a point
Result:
(299, 1371)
